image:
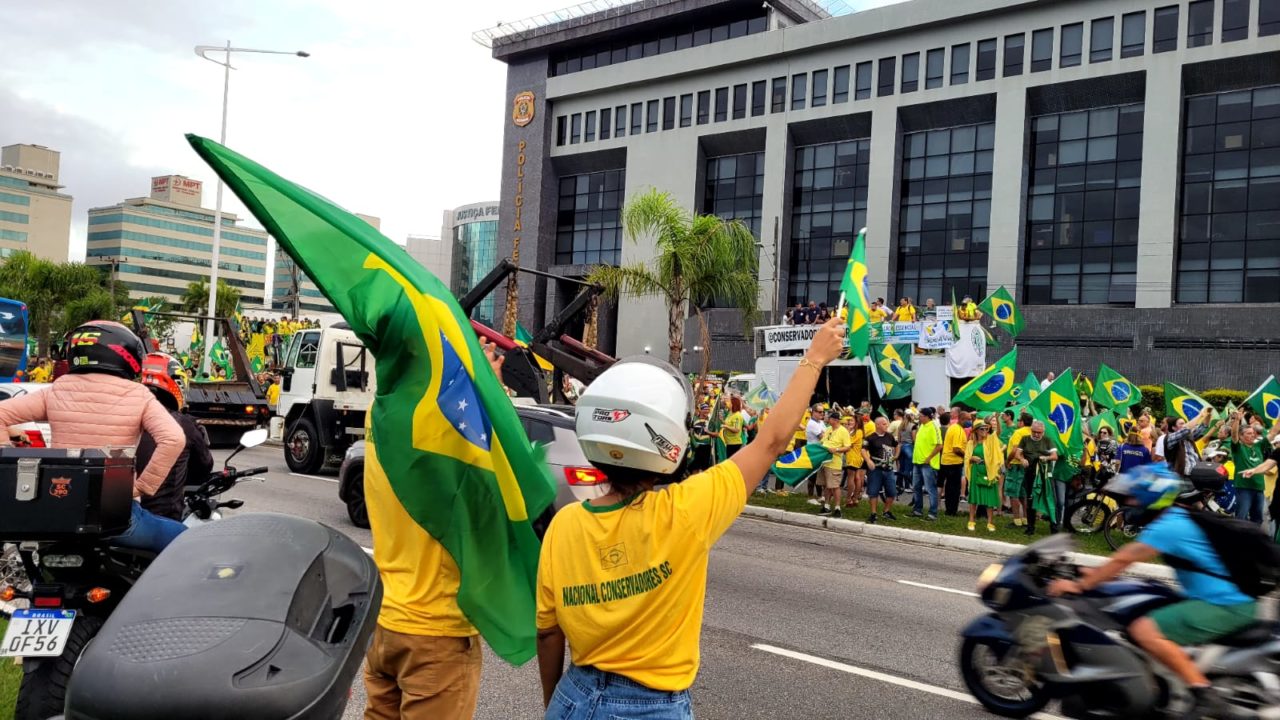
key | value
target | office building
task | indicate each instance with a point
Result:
(433, 253)
(34, 215)
(1113, 163)
(472, 232)
(159, 244)
(290, 286)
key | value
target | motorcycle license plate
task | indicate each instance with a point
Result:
(37, 633)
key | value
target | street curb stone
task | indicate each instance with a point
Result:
(981, 546)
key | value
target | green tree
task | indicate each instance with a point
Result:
(196, 298)
(696, 258)
(59, 296)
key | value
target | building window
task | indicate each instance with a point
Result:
(1235, 20)
(797, 91)
(589, 218)
(704, 107)
(1071, 45)
(758, 90)
(778, 97)
(651, 116)
(620, 121)
(862, 88)
(840, 91)
(1082, 207)
(1229, 240)
(637, 118)
(1164, 35)
(933, 63)
(575, 129)
(605, 123)
(828, 207)
(668, 113)
(686, 110)
(734, 190)
(960, 64)
(722, 104)
(1014, 45)
(664, 39)
(1200, 23)
(1041, 50)
(910, 72)
(739, 101)
(1133, 34)
(944, 228)
(589, 129)
(561, 129)
(1100, 39)
(885, 85)
(19, 218)
(1269, 17)
(819, 96)
(986, 60)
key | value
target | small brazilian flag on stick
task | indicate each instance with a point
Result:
(1114, 390)
(1000, 307)
(446, 454)
(1181, 402)
(799, 464)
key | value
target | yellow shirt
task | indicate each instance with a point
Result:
(853, 458)
(954, 443)
(868, 428)
(38, 374)
(800, 434)
(273, 395)
(731, 431)
(627, 583)
(905, 314)
(878, 315)
(1016, 439)
(419, 578)
(834, 439)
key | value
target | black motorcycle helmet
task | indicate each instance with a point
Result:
(102, 346)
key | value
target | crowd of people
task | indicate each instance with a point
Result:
(816, 313)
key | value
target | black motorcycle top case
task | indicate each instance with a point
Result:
(257, 617)
(48, 494)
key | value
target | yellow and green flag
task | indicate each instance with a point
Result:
(854, 289)
(523, 338)
(1104, 419)
(893, 365)
(449, 442)
(1000, 307)
(993, 388)
(1114, 390)
(1027, 391)
(1059, 409)
(800, 463)
(1266, 400)
(1181, 402)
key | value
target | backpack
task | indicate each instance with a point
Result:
(1251, 558)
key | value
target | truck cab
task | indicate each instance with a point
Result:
(327, 385)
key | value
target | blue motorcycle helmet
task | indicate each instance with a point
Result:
(1151, 487)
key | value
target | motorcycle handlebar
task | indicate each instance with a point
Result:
(255, 471)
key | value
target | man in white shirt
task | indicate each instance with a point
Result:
(813, 431)
(1047, 381)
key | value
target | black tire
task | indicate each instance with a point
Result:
(356, 508)
(302, 450)
(43, 692)
(1004, 707)
(1117, 531)
(1087, 517)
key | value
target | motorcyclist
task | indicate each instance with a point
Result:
(98, 404)
(1214, 607)
(160, 373)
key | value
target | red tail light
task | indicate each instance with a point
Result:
(47, 602)
(35, 438)
(584, 476)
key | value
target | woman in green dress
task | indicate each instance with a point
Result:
(983, 460)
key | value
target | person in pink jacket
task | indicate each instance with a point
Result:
(99, 404)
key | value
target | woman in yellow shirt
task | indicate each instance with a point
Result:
(622, 578)
(855, 475)
(731, 430)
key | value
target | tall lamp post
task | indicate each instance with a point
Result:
(203, 51)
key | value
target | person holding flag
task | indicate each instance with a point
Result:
(622, 578)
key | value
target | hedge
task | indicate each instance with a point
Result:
(1153, 398)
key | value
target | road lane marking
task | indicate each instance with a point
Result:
(315, 477)
(882, 677)
(939, 588)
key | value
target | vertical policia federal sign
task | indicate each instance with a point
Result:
(522, 109)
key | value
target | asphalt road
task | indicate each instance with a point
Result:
(800, 623)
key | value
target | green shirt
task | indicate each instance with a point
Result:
(1246, 457)
(928, 437)
(1006, 432)
(1033, 449)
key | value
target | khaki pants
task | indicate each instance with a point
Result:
(412, 677)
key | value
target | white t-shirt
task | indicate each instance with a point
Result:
(1159, 449)
(813, 431)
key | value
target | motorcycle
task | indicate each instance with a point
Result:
(1208, 477)
(1031, 649)
(74, 584)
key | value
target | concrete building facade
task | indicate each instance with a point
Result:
(1113, 163)
(472, 234)
(158, 244)
(433, 253)
(34, 215)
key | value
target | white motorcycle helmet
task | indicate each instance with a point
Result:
(636, 416)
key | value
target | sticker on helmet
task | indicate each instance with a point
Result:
(669, 450)
(609, 416)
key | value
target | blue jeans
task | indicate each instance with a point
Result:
(147, 531)
(905, 466)
(924, 477)
(585, 693)
(1249, 505)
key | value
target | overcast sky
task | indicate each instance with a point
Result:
(397, 113)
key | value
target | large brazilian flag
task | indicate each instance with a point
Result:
(448, 437)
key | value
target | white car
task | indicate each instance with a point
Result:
(30, 431)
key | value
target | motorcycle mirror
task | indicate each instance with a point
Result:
(253, 438)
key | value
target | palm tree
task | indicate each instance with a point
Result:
(698, 258)
(196, 298)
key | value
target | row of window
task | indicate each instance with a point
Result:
(14, 182)
(13, 217)
(13, 235)
(23, 200)
(135, 254)
(171, 290)
(121, 217)
(976, 61)
(173, 242)
(177, 275)
(670, 38)
(187, 214)
(589, 218)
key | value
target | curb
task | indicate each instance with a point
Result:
(980, 546)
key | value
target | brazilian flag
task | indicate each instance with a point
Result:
(993, 389)
(1104, 419)
(1266, 400)
(1000, 307)
(1181, 402)
(448, 442)
(853, 286)
(1114, 390)
(1059, 409)
(893, 365)
(800, 463)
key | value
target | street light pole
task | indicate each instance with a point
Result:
(225, 62)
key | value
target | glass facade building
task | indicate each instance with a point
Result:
(829, 206)
(473, 232)
(589, 219)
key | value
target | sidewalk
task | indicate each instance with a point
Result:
(981, 546)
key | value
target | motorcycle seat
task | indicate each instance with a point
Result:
(1255, 634)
